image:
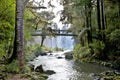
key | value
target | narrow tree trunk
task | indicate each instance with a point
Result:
(88, 22)
(119, 9)
(42, 40)
(90, 25)
(103, 20)
(99, 20)
(18, 52)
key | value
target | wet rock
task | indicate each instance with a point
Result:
(69, 56)
(59, 57)
(110, 73)
(39, 69)
(43, 54)
(48, 51)
(50, 54)
(49, 72)
(117, 72)
(96, 76)
(2, 76)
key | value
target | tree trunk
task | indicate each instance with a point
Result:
(119, 8)
(103, 20)
(88, 22)
(99, 20)
(19, 33)
(90, 25)
(18, 52)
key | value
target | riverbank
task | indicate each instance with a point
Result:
(107, 75)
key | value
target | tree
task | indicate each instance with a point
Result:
(19, 33)
(103, 20)
(99, 20)
(88, 11)
(18, 52)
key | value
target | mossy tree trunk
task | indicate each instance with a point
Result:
(19, 33)
(18, 53)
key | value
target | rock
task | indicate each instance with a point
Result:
(69, 56)
(96, 76)
(117, 72)
(2, 76)
(109, 73)
(48, 51)
(59, 57)
(43, 54)
(39, 69)
(49, 72)
(50, 54)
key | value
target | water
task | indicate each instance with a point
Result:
(64, 42)
(67, 69)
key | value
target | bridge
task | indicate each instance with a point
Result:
(53, 32)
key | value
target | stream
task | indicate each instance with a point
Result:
(67, 69)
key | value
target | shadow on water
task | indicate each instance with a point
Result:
(67, 69)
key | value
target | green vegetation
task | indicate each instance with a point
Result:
(97, 22)
(101, 17)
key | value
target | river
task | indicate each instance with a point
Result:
(67, 69)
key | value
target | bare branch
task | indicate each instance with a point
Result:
(25, 3)
(40, 7)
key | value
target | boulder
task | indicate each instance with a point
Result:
(68, 56)
(39, 69)
(59, 57)
(43, 54)
(49, 72)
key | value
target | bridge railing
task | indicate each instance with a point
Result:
(53, 32)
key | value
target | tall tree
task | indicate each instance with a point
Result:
(99, 20)
(103, 20)
(19, 33)
(18, 52)
(88, 9)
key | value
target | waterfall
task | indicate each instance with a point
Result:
(64, 42)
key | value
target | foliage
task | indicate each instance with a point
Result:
(79, 12)
(7, 22)
(115, 39)
(98, 48)
(81, 52)
(113, 45)
(12, 67)
(33, 51)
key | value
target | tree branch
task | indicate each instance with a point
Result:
(25, 3)
(37, 7)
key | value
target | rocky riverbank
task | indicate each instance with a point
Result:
(107, 75)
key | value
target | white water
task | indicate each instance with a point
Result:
(67, 69)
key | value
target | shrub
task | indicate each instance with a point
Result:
(12, 67)
(81, 52)
(98, 48)
(114, 39)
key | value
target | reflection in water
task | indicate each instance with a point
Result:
(67, 69)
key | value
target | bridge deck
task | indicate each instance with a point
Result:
(56, 34)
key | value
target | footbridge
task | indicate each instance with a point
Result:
(53, 32)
